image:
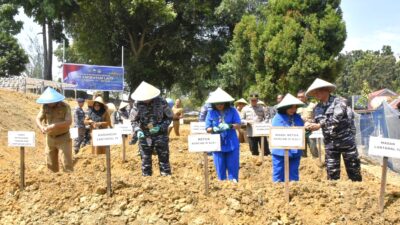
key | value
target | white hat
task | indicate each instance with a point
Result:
(218, 96)
(123, 105)
(259, 102)
(111, 108)
(145, 92)
(317, 84)
(289, 100)
(242, 100)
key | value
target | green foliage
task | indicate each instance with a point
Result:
(12, 56)
(365, 91)
(378, 68)
(296, 41)
(7, 23)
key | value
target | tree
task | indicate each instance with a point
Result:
(50, 14)
(378, 68)
(300, 42)
(12, 56)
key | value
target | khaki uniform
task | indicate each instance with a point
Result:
(307, 115)
(175, 119)
(57, 140)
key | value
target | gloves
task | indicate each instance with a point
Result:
(224, 126)
(216, 129)
(154, 130)
(140, 134)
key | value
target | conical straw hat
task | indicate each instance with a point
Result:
(289, 100)
(123, 105)
(50, 96)
(218, 96)
(145, 92)
(261, 103)
(242, 100)
(317, 84)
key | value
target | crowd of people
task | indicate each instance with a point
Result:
(153, 118)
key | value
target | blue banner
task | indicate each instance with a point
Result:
(92, 77)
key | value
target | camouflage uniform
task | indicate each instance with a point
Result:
(79, 117)
(143, 117)
(254, 114)
(339, 138)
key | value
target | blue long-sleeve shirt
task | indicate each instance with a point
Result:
(284, 120)
(229, 139)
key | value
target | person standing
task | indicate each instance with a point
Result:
(223, 119)
(177, 111)
(251, 114)
(98, 118)
(306, 113)
(331, 116)
(273, 109)
(54, 120)
(151, 117)
(240, 104)
(79, 117)
(286, 117)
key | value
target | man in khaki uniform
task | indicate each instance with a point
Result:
(54, 120)
(250, 114)
(307, 115)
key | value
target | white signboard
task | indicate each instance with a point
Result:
(204, 143)
(21, 139)
(384, 147)
(73, 132)
(261, 129)
(287, 137)
(198, 128)
(181, 121)
(124, 128)
(317, 134)
(104, 137)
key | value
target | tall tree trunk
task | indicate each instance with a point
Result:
(50, 50)
(44, 33)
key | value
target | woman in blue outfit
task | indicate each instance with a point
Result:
(286, 117)
(223, 119)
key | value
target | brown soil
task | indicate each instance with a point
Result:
(79, 197)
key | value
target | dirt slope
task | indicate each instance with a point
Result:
(78, 198)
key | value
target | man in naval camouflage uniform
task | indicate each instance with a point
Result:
(331, 114)
(150, 118)
(79, 117)
(250, 114)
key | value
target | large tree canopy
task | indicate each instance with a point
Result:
(12, 56)
(297, 42)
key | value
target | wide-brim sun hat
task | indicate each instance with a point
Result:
(259, 102)
(100, 100)
(242, 100)
(319, 83)
(289, 100)
(145, 92)
(123, 105)
(111, 108)
(50, 96)
(219, 96)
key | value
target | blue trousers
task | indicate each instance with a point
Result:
(278, 168)
(227, 161)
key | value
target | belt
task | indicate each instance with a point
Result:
(59, 135)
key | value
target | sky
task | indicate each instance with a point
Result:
(370, 24)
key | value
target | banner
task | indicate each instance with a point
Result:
(92, 77)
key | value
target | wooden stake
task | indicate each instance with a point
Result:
(319, 140)
(108, 165)
(286, 159)
(262, 150)
(123, 149)
(383, 184)
(22, 168)
(206, 173)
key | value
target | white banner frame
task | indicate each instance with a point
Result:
(21, 139)
(261, 129)
(197, 128)
(385, 147)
